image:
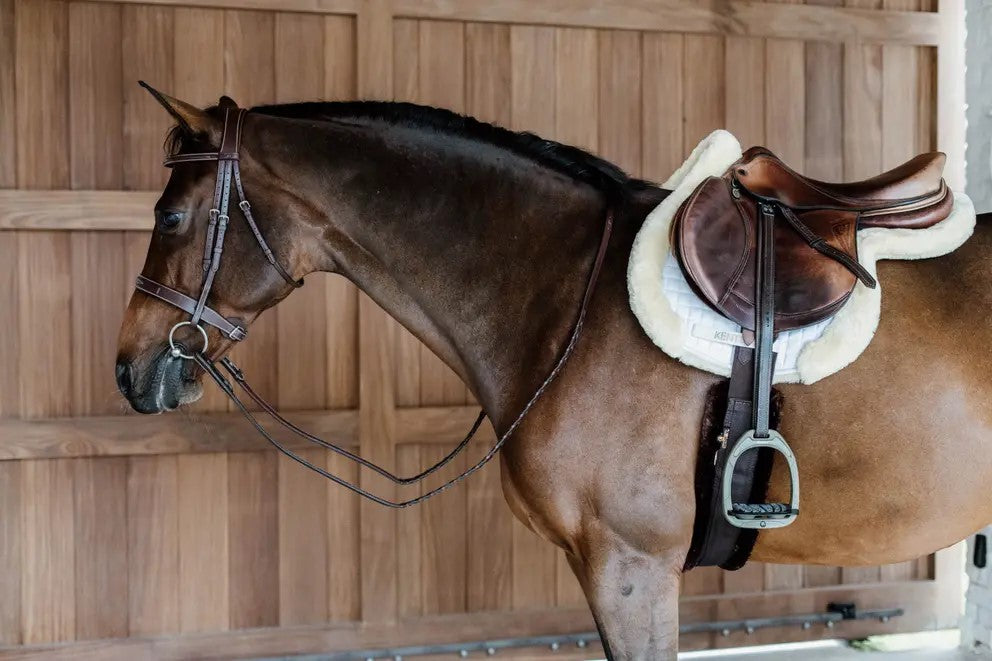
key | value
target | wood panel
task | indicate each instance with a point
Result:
(173, 525)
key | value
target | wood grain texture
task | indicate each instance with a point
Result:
(344, 590)
(579, 79)
(705, 95)
(199, 55)
(148, 41)
(204, 588)
(785, 99)
(11, 556)
(443, 559)
(96, 96)
(745, 71)
(153, 545)
(100, 546)
(663, 105)
(620, 119)
(253, 538)
(302, 541)
(489, 532)
(96, 315)
(43, 297)
(76, 210)
(48, 588)
(42, 94)
(409, 536)
(8, 98)
(10, 342)
(145, 435)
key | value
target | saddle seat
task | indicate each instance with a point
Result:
(892, 199)
(714, 233)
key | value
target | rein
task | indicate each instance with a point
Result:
(200, 313)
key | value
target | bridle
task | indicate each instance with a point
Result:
(200, 313)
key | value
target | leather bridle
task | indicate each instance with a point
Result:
(200, 313)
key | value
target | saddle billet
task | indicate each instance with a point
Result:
(773, 251)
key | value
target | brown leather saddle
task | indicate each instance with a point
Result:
(773, 251)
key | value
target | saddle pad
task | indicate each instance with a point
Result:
(687, 329)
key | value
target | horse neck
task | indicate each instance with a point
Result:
(482, 254)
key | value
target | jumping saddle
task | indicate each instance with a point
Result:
(773, 251)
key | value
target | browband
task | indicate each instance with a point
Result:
(209, 316)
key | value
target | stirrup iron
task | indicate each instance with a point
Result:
(760, 515)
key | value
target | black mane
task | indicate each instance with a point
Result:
(571, 161)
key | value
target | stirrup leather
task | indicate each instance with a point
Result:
(760, 515)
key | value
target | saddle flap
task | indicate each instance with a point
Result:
(714, 234)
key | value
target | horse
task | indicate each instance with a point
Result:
(480, 241)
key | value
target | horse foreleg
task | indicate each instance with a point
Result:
(633, 596)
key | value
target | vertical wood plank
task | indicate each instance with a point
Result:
(745, 71)
(199, 53)
(11, 556)
(489, 538)
(900, 81)
(749, 578)
(374, 43)
(344, 590)
(302, 541)
(10, 344)
(862, 105)
(339, 58)
(8, 100)
(253, 533)
(444, 525)
(96, 318)
(42, 94)
(578, 78)
(100, 540)
(148, 54)
(568, 591)
(203, 542)
(705, 93)
(96, 96)
(620, 98)
(487, 72)
(824, 108)
(48, 584)
(783, 577)
(532, 79)
(785, 99)
(153, 545)
(44, 283)
(663, 147)
(409, 536)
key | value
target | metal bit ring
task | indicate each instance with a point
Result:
(176, 350)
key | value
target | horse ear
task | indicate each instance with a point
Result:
(190, 118)
(227, 102)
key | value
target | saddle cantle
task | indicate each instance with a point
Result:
(774, 251)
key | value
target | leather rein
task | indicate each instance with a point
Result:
(200, 313)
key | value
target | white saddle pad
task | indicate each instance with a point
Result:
(687, 329)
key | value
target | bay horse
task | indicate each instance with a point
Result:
(480, 241)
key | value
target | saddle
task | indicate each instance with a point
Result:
(773, 251)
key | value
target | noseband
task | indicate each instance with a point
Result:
(200, 313)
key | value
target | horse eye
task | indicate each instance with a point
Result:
(168, 219)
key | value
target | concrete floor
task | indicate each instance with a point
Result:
(933, 646)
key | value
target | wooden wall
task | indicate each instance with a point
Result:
(119, 526)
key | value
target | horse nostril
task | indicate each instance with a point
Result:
(124, 375)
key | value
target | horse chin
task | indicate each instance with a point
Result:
(170, 384)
